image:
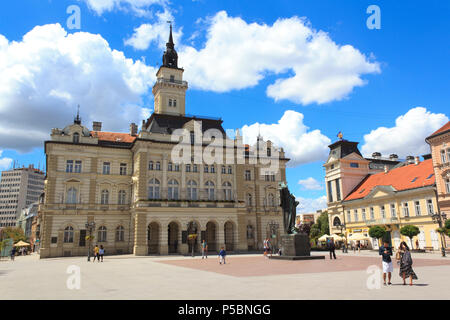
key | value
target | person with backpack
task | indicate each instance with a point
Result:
(101, 252)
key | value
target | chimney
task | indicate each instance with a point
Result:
(416, 160)
(133, 129)
(386, 169)
(96, 126)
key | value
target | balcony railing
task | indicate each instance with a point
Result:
(162, 80)
(185, 195)
(382, 221)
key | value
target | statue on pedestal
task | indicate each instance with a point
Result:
(289, 205)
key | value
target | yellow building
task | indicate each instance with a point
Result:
(399, 195)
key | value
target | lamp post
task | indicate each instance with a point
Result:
(192, 234)
(89, 226)
(439, 218)
(342, 227)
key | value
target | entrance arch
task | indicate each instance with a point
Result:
(173, 233)
(229, 235)
(153, 238)
(211, 232)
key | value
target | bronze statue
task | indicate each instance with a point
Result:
(289, 205)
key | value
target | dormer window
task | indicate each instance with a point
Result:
(76, 137)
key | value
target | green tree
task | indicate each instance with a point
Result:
(447, 224)
(409, 231)
(320, 228)
(16, 234)
(377, 232)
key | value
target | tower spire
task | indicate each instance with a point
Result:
(170, 57)
(77, 119)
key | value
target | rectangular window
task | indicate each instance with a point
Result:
(448, 155)
(224, 170)
(123, 169)
(177, 167)
(338, 190)
(169, 166)
(355, 214)
(430, 206)
(363, 212)
(417, 207)
(447, 185)
(393, 213)
(192, 137)
(354, 165)
(194, 168)
(150, 165)
(248, 175)
(170, 102)
(443, 156)
(205, 168)
(188, 168)
(158, 165)
(383, 212)
(106, 167)
(69, 166)
(78, 166)
(230, 170)
(405, 209)
(349, 216)
(330, 192)
(174, 102)
(372, 214)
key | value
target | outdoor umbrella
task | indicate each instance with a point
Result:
(358, 236)
(324, 237)
(21, 244)
(337, 237)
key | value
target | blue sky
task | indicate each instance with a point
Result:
(400, 67)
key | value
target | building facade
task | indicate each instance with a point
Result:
(439, 143)
(144, 198)
(391, 194)
(19, 188)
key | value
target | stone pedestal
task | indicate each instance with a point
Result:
(295, 247)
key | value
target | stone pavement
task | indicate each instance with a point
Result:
(243, 277)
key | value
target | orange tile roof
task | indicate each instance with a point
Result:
(400, 179)
(113, 136)
(444, 128)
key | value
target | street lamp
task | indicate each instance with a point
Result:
(89, 226)
(439, 218)
(192, 230)
(344, 246)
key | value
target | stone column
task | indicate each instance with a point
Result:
(163, 239)
(140, 241)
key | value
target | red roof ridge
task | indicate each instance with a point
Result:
(442, 129)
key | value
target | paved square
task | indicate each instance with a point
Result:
(243, 277)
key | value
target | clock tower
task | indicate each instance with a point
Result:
(170, 89)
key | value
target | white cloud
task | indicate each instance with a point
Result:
(311, 205)
(139, 7)
(157, 32)
(408, 135)
(311, 67)
(300, 145)
(310, 184)
(49, 72)
(5, 163)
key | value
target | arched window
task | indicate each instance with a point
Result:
(192, 190)
(205, 168)
(336, 221)
(122, 197)
(72, 195)
(213, 169)
(227, 191)
(249, 200)
(120, 233)
(209, 188)
(172, 191)
(76, 137)
(230, 169)
(102, 234)
(153, 189)
(68, 235)
(224, 169)
(104, 197)
(158, 165)
(150, 165)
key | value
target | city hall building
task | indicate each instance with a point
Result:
(132, 195)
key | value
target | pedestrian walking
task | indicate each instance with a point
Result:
(13, 253)
(101, 252)
(204, 249)
(405, 260)
(332, 248)
(358, 246)
(385, 251)
(269, 247)
(96, 252)
(222, 255)
(266, 247)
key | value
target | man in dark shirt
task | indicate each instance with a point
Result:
(331, 248)
(386, 252)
